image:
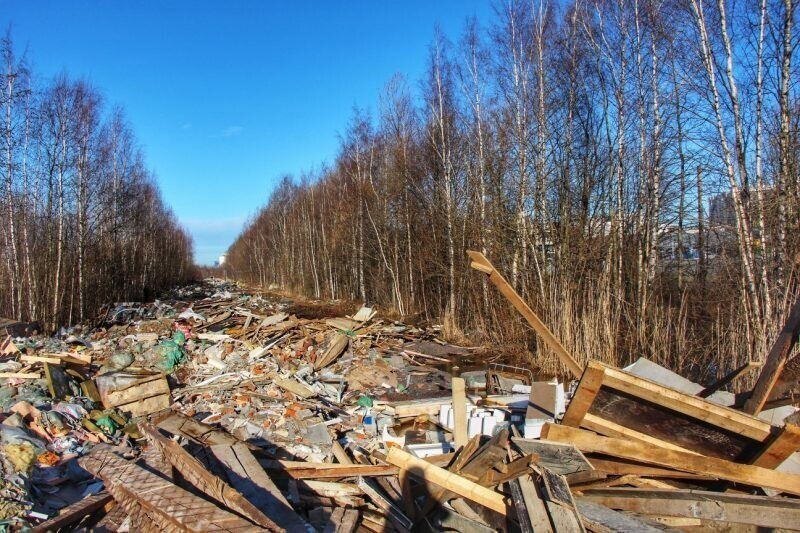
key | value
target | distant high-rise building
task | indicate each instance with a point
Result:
(222, 259)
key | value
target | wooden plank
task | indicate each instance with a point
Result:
(342, 521)
(20, 375)
(601, 519)
(775, 361)
(490, 455)
(7, 346)
(75, 512)
(169, 504)
(507, 472)
(463, 455)
(459, 412)
(198, 475)
(621, 467)
(747, 474)
(249, 478)
(729, 378)
(586, 476)
(560, 504)
(295, 387)
(304, 470)
(39, 359)
(338, 344)
(197, 432)
(589, 386)
(429, 473)
(480, 263)
(524, 519)
(760, 511)
(782, 445)
(412, 408)
(534, 506)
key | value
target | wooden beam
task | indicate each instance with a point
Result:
(459, 412)
(39, 359)
(773, 365)
(168, 504)
(429, 473)
(637, 451)
(621, 467)
(589, 386)
(304, 470)
(531, 512)
(20, 375)
(601, 519)
(715, 506)
(481, 264)
(781, 446)
(730, 377)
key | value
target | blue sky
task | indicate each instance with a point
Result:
(228, 96)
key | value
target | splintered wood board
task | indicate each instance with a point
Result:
(618, 404)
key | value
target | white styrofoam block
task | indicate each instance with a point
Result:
(499, 414)
(533, 427)
(426, 450)
(475, 426)
(444, 413)
(489, 424)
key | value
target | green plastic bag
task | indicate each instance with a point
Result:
(364, 401)
(107, 424)
(168, 354)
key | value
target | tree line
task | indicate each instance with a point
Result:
(83, 221)
(629, 165)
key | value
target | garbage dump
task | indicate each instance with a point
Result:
(218, 408)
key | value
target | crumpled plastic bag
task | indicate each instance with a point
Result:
(119, 361)
(168, 353)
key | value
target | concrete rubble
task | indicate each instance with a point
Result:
(216, 408)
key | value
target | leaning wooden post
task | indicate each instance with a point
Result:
(459, 412)
(481, 264)
(774, 364)
(462, 486)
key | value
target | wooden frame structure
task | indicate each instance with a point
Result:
(615, 403)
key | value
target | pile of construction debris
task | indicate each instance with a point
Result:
(217, 409)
